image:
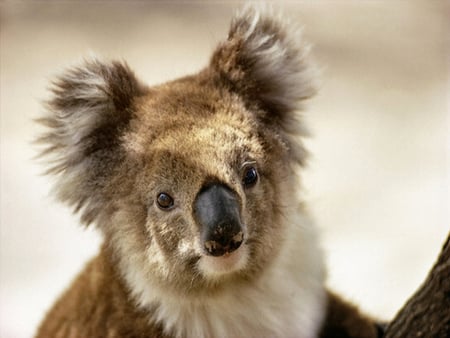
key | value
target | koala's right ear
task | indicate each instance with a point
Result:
(92, 105)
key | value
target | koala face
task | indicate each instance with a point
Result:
(207, 174)
(192, 182)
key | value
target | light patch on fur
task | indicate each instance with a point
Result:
(184, 247)
(215, 267)
(287, 301)
(81, 98)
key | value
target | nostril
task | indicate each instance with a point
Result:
(223, 245)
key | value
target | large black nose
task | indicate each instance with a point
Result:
(217, 211)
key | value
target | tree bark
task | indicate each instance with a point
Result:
(427, 312)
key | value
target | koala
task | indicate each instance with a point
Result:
(194, 186)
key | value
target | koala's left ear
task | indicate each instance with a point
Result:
(266, 61)
(91, 107)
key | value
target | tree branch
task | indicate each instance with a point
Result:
(427, 312)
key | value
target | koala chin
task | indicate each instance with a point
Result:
(194, 186)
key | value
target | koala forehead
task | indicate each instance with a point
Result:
(198, 125)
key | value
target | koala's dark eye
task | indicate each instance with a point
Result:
(250, 177)
(164, 201)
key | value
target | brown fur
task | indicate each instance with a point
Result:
(344, 320)
(97, 305)
(115, 144)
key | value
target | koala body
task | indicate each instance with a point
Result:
(194, 185)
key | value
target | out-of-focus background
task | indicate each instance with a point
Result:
(378, 179)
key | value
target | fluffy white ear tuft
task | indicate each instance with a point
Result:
(90, 108)
(266, 60)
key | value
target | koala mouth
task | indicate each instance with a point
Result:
(216, 266)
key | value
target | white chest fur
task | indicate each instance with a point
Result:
(287, 301)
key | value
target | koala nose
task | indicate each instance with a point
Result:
(217, 211)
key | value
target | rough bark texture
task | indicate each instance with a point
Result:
(427, 313)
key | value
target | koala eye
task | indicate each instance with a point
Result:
(164, 201)
(250, 177)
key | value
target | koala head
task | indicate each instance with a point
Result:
(191, 182)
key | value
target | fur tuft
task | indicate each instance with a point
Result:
(265, 59)
(90, 108)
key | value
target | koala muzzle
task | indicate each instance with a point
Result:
(217, 211)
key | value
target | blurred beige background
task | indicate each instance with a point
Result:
(378, 180)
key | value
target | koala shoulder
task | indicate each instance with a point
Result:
(97, 304)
